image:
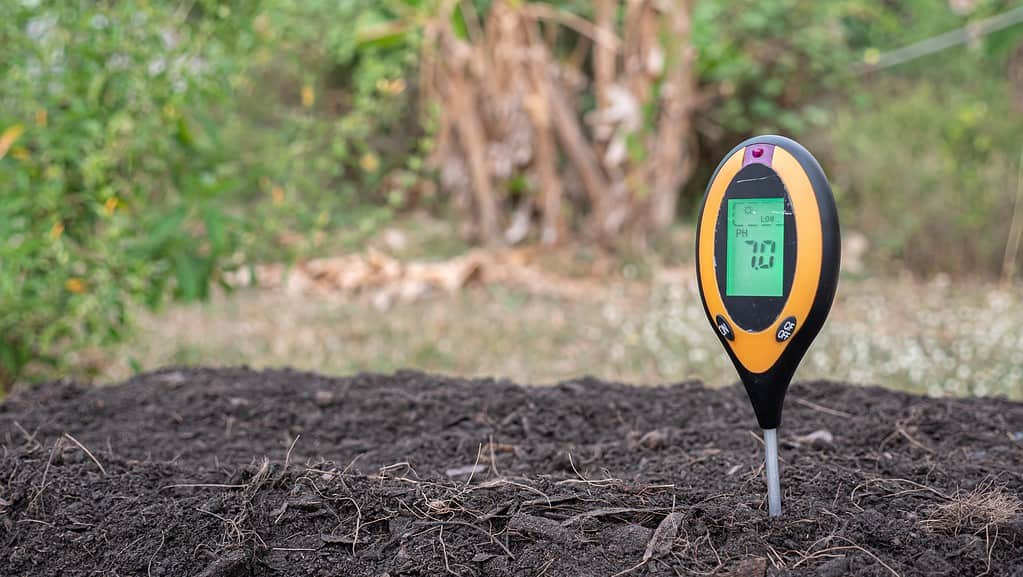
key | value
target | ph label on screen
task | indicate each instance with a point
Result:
(755, 250)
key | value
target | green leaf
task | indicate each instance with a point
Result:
(188, 274)
(215, 229)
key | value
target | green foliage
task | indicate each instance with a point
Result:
(775, 61)
(928, 174)
(148, 144)
(113, 176)
(326, 121)
(145, 145)
(925, 155)
(871, 24)
(770, 60)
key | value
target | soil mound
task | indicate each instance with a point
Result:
(224, 473)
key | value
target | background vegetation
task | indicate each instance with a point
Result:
(148, 146)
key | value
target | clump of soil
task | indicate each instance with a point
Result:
(222, 473)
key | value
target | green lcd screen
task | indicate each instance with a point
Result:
(756, 247)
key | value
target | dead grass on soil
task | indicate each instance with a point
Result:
(977, 511)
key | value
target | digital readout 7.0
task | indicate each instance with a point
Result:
(756, 252)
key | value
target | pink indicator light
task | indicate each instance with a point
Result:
(758, 152)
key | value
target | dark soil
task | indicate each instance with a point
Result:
(221, 473)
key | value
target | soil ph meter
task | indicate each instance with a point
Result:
(767, 258)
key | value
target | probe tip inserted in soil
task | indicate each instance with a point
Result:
(771, 465)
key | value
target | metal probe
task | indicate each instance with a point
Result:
(771, 467)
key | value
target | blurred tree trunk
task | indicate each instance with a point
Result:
(673, 160)
(583, 158)
(513, 139)
(604, 57)
(1015, 74)
(474, 146)
(538, 106)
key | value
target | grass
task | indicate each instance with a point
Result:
(937, 337)
(975, 511)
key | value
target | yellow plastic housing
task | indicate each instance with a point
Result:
(759, 351)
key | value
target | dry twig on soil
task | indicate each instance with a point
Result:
(661, 543)
(49, 461)
(916, 488)
(822, 408)
(827, 553)
(149, 566)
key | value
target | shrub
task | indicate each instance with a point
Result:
(928, 174)
(113, 175)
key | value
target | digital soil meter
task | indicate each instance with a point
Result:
(768, 248)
